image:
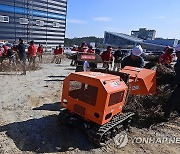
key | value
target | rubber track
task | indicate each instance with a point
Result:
(99, 132)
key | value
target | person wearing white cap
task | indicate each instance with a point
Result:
(134, 59)
(174, 101)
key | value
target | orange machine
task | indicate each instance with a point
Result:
(94, 96)
(94, 101)
(142, 81)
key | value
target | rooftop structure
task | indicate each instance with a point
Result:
(124, 40)
(145, 34)
(165, 42)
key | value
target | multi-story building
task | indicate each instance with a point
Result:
(120, 39)
(127, 41)
(144, 34)
(43, 21)
(165, 42)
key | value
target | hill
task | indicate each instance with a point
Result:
(78, 41)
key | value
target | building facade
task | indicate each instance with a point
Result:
(120, 39)
(165, 42)
(144, 34)
(43, 21)
(127, 41)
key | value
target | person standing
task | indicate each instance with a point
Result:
(12, 58)
(60, 53)
(1, 57)
(5, 48)
(32, 51)
(56, 50)
(134, 59)
(91, 50)
(74, 56)
(22, 55)
(40, 52)
(174, 101)
(83, 48)
(168, 57)
(107, 57)
(118, 55)
(15, 50)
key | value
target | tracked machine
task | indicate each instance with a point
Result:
(80, 57)
(93, 101)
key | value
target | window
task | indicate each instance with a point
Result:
(83, 92)
(23, 21)
(116, 98)
(39, 23)
(4, 19)
(56, 24)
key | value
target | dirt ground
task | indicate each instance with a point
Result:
(29, 108)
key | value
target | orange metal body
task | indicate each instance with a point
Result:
(95, 96)
(142, 81)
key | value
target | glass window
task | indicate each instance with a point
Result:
(23, 21)
(83, 92)
(56, 24)
(116, 98)
(4, 19)
(39, 23)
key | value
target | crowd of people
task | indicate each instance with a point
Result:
(118, 59)
(111, 60)
(121, 60)
(135, 59)
(18, 53)
(58, 52)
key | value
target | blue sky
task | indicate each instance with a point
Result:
(93, 17)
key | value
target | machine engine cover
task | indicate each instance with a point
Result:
(142, 81)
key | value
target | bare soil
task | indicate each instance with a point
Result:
(29, 108)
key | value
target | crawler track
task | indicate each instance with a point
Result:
(100, 135)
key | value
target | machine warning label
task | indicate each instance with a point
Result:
(115, 84)
(88, 57)
(135, 87)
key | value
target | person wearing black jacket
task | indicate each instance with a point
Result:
(118, 55)
(174, 101)
(22, 55)
(135, 59)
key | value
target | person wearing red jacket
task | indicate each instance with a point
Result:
(60, 53)
(1, 57)
(90, 50)
(55, 58)
(107, 57)
(167, 57)
(5, 49)
(32, 52)
(83, 47)
(40, 52)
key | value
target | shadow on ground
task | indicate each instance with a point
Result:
(56, 76)
(46, 135)
(49, 107)
(61, 65)
(4, 73)
(54, 80)
(69, 69)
